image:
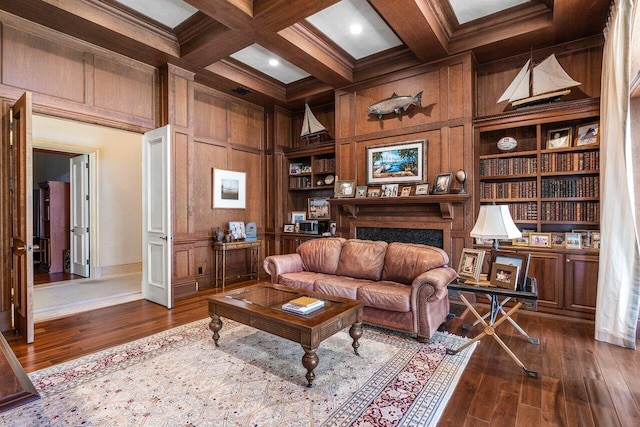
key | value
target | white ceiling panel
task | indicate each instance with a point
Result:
(467, 10)
(260, 59)
(168, 12)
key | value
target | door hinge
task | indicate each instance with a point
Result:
(86, 197)
(86, 165)
(87, 262)
(87, 230)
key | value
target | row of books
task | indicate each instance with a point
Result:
(584, 186)
(508, 190)
(324, 165)
(570, 211)
(299, 182)
(570, 162)
(524, 211)
(303, 305)
(508, 166)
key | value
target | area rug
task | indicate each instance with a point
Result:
(179, 378)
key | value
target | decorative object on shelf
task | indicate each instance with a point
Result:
(396, 104)
(311, 126)
(332, 228)
(288, 228)
(328, 180)
(587, 134)
(442, 183)
(318, 208)
(345, 188)
(406, 191)
(298, 216)
(559, 138)
(504, 276)
(540, 240)
(389, 190)
(573, 240)
(549, 83)
(218, 234)
(295, 168)
(251, 231)
(422, 189)
(495, 222)
(398, 162)
(236, 228)
(507, 143)
(470, 265)
(228, 189)
(461, 177)
(361, 191)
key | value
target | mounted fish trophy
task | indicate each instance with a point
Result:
(544, 83)
(311, 127)
(396, 104)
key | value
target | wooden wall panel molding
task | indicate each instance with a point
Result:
(180, 184)
(246, 125)
(210, 117)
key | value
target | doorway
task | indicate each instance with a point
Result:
(52, 201)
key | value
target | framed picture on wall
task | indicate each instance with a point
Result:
(229, 189)
(397, 162)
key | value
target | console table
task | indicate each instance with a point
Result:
(252, 248)
(528, 299)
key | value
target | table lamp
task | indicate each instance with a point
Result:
(495, 222)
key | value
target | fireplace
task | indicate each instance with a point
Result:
(431, 237)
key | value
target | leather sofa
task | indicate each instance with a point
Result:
(403, 285)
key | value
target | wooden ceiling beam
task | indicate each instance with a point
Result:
(417, 25)
(237, 72)
(237, 15)
(214, 43)
(575, 19)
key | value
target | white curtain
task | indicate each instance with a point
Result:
(619, 277)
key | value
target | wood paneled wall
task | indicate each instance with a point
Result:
(444, 120)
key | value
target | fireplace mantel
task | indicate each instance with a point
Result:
(446, 202)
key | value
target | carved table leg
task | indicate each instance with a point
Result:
(310, 361)
(215, 325)
(356, 332)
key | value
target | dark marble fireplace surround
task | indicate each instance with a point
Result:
(429, 237)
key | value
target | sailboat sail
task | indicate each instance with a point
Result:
(548, 78)
(310, 125)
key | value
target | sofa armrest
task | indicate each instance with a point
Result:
(436, 281)
(430, 300)
(275, 265)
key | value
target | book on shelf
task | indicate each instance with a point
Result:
(303, 305)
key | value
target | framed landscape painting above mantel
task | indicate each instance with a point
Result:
(397, 162)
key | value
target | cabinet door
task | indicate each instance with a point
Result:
(548, 269)
(289, 244)
(581, 281)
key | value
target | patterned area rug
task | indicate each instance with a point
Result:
(179, 378)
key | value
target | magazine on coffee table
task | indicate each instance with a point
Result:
(303, 305)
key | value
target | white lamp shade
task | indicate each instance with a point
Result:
(495, 222)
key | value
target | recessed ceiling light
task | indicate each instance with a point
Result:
(355, 29)
(274, 62)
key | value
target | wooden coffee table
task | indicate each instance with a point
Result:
(260, 306)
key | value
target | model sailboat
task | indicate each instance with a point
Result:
(311, 127)
(546, 82)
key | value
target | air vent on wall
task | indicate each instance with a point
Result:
(241, 90)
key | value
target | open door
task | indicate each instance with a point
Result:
(79, 215)
(156, 217)
(21, 200)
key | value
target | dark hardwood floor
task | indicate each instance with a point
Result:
(582, 382)
(42, 278)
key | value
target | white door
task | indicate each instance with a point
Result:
(79, 215)
(21, 211)
(156, 216)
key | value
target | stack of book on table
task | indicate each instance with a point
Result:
(303, 305)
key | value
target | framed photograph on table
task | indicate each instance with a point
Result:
(442, 183)
(573, 240)
(470, 265)
(559, 138)
(504, 276)
(588, 134)
(540, 240)
(519, 259)
(397, 162)
(521, 241)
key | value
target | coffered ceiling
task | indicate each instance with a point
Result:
(288, 52)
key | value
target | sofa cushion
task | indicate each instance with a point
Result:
(339, 286)
(300, 279)
(406, 261)
(321, 255)
(362, 259)
(386, 295)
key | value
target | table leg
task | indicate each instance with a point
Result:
(356, 332)
(215, 325)
(310, 361)
(224, 266)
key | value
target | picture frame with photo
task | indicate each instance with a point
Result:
(519, 259)
(504, 276)
(521, 241)
(470, 265)
(361, 191)
(374, 191)
(288, 228)
(396, 162)
(389, 190)
(405, 191)
(595, 240)
(558, 239)
(318, 208)
(587, 134)
(585, 237)
(573, 240)
(345, 188)
(540, 240)
(295, 168)
(237, 230)
(422, 189)
(559, 138)
(229, 189)
(442, 183)
(297, 216)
